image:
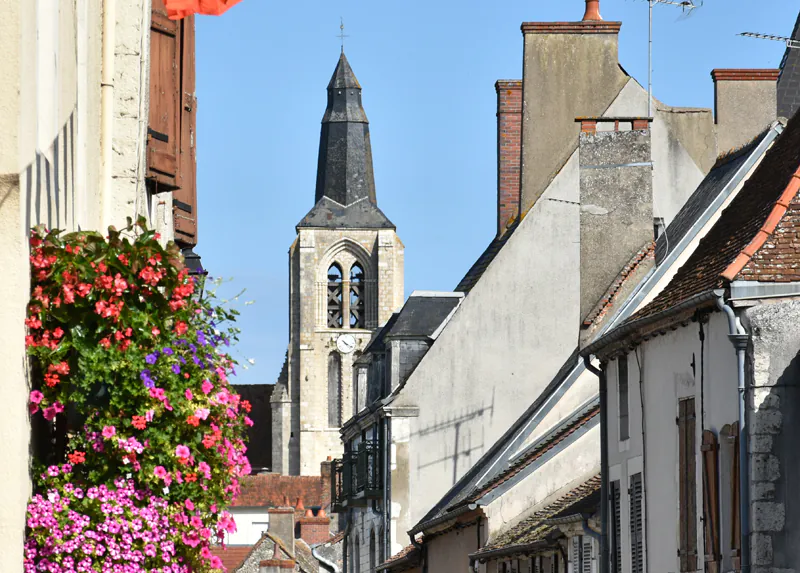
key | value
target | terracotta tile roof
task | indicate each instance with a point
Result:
(752, 217)
(609, 298)
(533, 528)
(542, 448)
(403, 559)
(268, 490)
(232, 555)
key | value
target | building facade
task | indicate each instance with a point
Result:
(345, 279)
(80, 150)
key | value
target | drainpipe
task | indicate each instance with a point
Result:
(603, 537)
(329, 565)
(739, 338)
(107, 107)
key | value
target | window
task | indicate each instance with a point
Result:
(357, 296)
(372, 552)
(616, 542)
(622, 383)
(334, 390)
(637, 536)
(581, 554)
(687, 485)
(658, 227)
(335, 308)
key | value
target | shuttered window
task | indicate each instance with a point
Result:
(730, 494)
(622, 383)
(171, 141)
(575, 553)
(637, 524)
(687, 480)
(711, 519)
(616, 528)
(586, 555)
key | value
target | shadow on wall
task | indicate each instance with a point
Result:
(456, 429)
(49, 182)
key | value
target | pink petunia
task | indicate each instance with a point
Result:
(202, 413)
(188, 394)
(182, 451)
(189, 505)
(160, 472)
(109, 432)
(207, 387)
(36, 397)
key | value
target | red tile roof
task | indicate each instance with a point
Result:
(403, 559)
(756, 237)
(269, 490)
(232, 555)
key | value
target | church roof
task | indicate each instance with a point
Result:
(345, 193)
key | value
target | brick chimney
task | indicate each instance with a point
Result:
(314, 529)
(277, 564)
(616, 201)
(569, 69)
(509, 151)
(281, 525)
(745, 103)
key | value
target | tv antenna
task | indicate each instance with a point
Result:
(687, 6)
(790, 42)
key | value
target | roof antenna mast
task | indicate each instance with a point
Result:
(342, 35)
(687, 6)
(791, 43)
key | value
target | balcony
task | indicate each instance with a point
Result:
(356, 478)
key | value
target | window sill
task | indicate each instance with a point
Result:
(624, 445)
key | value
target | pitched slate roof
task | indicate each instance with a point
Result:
(479, 267)
(723, 172)
(534, 528)
(789, 82)
(422, 314)
(739, 225)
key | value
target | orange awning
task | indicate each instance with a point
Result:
(177, 9)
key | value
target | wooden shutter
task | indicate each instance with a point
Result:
(734, 535)
(586, 557)
(164, 122)
(636, 523)
(710, 451)
(575, 556)
(616, 510)
(687, 485)
(184, 198)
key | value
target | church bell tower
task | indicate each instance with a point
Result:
(345, 279)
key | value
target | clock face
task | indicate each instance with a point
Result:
(346, 343)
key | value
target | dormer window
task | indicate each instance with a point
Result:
(335, 307)
(356, 296)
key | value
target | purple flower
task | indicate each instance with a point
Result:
(201, 338)
(168, 351)
(151, 358)
(148, 381)
(176, 368)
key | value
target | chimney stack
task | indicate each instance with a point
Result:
(315, 529)
(616, 202)
(509, 151)
(592, 11)
(745, 104)
(569, 69)
(281, 525)
(278, 564)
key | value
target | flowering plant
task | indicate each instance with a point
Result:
(133, 382)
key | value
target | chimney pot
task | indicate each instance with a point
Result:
(309, 512)
(322, 513)
(286, 501)
(299, 505)
(592, 11)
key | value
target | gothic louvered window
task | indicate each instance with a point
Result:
(687, 485)
(335, 306)
(372, 552)
(636, 515)
(616, 543)
(334, 389)
(357, 296)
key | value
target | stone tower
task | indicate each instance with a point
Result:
(345, 279)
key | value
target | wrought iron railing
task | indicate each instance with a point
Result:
(357, 475)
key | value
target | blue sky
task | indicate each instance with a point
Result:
(428, 71)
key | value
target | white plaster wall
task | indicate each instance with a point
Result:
(251, 523)
(566, 470)
(449, 553)
(50, 174)
(504, 344)
(667, 374)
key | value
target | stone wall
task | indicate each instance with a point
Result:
(774, 410)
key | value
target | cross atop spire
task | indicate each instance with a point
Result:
(342, 35)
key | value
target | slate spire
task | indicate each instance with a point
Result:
(344, 169)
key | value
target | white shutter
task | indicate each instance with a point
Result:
(536, 565)
(637, 537)
(575, 556)
(553, 561)
(586, 557)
